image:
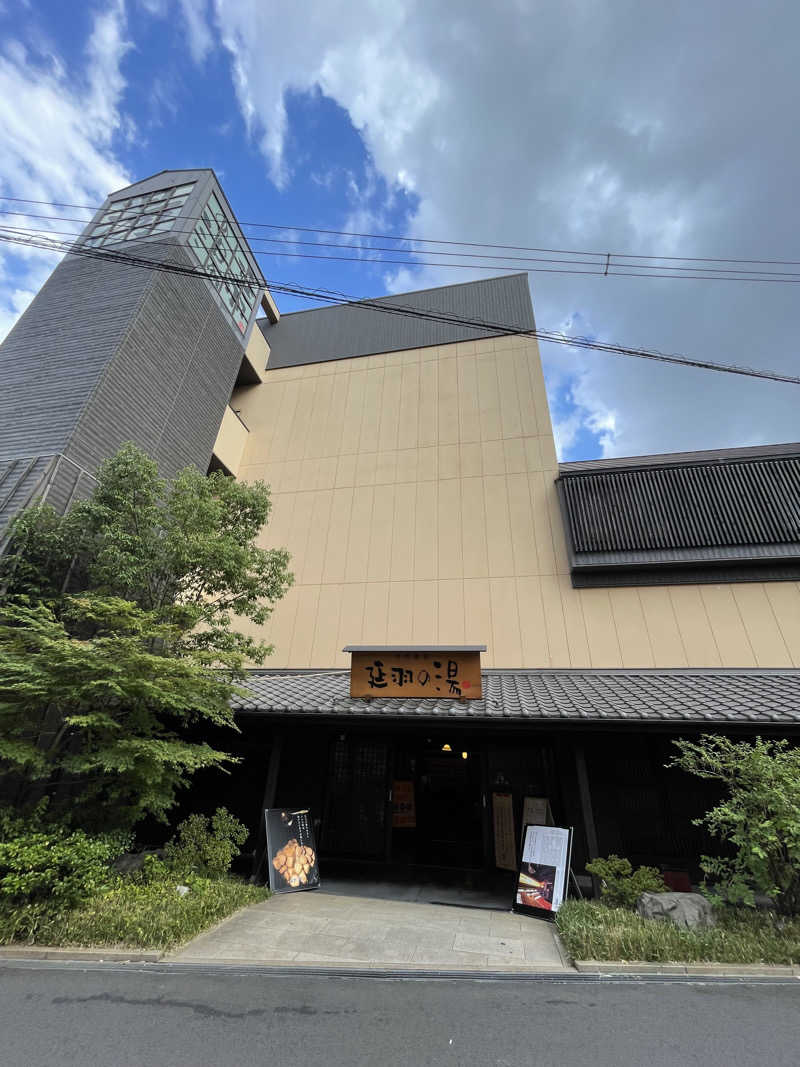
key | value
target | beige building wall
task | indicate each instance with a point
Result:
(415, 492)
(231, 441)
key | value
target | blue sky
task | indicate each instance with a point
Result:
(577, 126)
(178, 113)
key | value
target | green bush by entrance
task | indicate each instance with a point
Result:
(58, 886)
(621, 885)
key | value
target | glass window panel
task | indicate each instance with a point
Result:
(161, 227)
(162, 194)
(140, 231)
(135, 201)
(101, 229)
(198, 248)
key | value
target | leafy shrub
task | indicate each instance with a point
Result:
(759, 819)
(140, 915)
(206, 849)
(49, 869)
(620, 885)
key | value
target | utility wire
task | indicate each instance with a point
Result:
(430, 240)
(602, 267)
(481, 326)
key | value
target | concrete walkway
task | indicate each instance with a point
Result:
(334, 926)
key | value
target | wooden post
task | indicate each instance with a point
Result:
(588, 813)
(487, 829)
(270, 789)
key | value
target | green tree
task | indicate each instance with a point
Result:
(758, 819)
(119, 645)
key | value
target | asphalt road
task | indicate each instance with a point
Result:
(60, 1014)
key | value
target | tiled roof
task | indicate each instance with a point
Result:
(704, 696)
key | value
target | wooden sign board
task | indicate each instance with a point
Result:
(404, 808)
(536, 812)
(505, 843)
(437, 675)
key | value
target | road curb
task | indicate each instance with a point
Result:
(97, 955)
(249, 971)
(720, 970)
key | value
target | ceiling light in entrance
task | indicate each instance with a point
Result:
(446, 748)
(464, 755)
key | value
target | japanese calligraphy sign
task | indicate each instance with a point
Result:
(437, 675)
(404, 808)
(505, 842)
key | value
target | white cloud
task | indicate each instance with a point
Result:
(576, 125)
(196, 14)
(57, 128)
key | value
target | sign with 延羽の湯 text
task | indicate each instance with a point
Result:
(433, 674)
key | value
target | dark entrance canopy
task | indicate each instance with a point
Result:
(595, 743)
(727, 697)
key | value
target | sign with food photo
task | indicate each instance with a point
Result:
(543, 870)
(291, 850)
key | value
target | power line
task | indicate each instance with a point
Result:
(602, 268)
(479, 325)
(434, 241)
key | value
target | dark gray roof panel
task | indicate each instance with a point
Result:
(737, 511)
(358, 329)
(664, 459)
(709, 697)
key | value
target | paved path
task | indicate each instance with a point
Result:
(329, 927)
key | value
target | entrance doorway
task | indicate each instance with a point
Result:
(405, 801)
(437, 793)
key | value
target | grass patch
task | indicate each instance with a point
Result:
(133, 915)
(593, 931)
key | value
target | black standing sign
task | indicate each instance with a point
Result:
(543, 870)
(291, 850)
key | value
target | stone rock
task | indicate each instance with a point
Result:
(181, 890)
(690, 911)
(131, 862)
